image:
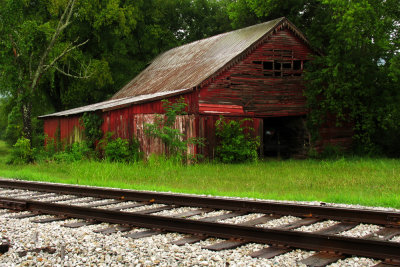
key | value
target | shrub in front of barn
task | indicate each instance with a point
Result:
(235, 141)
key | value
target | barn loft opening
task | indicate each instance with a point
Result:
(296, 64)
(284, 137)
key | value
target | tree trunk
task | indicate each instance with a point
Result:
(27, 120)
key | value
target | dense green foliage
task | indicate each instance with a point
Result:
(119, 149)
(235, 141)
(92, 127)
(356, 78)
(22, 152)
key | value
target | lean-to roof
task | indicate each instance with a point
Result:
(117, 103)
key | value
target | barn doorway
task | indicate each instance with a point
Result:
(285, 137)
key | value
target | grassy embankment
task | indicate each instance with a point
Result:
(363, 181)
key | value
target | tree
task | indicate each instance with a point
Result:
(31, 45)
(123, 37)
(356, 78)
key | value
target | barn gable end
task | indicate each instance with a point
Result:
(266, 83)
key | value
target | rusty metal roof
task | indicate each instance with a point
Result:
(189, 65)
(117, 103)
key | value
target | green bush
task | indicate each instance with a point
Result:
(235, 142)
(117, 150)
(22, 152)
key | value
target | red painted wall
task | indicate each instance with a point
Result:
(64, 129)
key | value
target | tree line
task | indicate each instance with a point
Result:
(61, 54)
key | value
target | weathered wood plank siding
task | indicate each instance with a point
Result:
(128, 125)
(266, 83)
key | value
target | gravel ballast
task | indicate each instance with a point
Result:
(83, 247)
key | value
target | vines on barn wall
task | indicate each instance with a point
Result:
(163, 128)
(92, 128)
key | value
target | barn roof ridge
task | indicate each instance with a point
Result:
(222, 34)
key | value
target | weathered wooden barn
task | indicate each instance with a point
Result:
(255, 72)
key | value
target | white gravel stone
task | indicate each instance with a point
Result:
(10, 192)
(210, 214)
(361, 230)
(242, 219)
(58, 198)
(355, 262)
(146, 207)
(316, 226)
(279, 222)
(395, 238)
(174, 211)
(78, 201)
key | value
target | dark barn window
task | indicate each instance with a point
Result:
(268, 65)
(296, 64)
(279, 68)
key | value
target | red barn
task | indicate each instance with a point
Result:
(255, 72)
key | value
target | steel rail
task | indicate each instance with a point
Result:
(302, 210)
(350, 246)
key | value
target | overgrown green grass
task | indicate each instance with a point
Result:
(365, 181)
(4, 151)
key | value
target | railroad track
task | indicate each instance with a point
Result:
(163, 212)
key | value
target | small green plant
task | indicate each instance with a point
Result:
(92, 123)
(22, 152)
(235, 142)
